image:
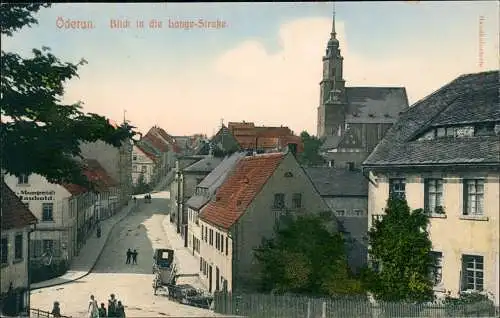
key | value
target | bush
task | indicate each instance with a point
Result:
(471, 304)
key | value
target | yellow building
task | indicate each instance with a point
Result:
(443, 156)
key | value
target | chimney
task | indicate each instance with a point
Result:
(292, 147)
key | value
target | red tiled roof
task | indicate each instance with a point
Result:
(247, 134)
(171, 141)
(146, 152)
(14, 214)
(156, 142)
(240, 189)
(96, 174)
(285, 140)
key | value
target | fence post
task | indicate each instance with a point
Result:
(308, 309)
(323, 310)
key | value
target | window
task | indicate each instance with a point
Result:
(279, 201)
(23, 179)
(358, 212)
(296, 200)
(222, 243)
(350, 165)
(473, 197)
(436, 270)
(397, 188)
(5, 251)
(441, 132)
(135, 168)
(340, 212)
(144, 168)
(201, 264)
(47, 211)
(134, 157)
(433, 195)
(18, 247)
(227, 245)
(211, 237)
(472, 272)
(217, 240)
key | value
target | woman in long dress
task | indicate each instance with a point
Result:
(93, 308)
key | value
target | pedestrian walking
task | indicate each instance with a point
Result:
(120, 310)
(93, 310)
(56, 310)
(129, 255)
(112, 306)
(102, 311)
(98, 229)
(134, 257)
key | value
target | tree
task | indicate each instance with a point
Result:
(304, 257)
(310, 155)
(39, 133)
(400, 245)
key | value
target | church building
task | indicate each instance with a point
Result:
(352, 120)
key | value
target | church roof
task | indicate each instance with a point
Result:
(375, 104)
(335, 182)
(470, 98)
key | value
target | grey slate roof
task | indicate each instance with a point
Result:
(331, 142)
(206, 164)
(338, 182)
(383, 103)
(214, 180)
(469, 98)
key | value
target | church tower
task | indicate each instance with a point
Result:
(332, 104)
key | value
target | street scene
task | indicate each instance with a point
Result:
(143, 230)
(174, 159)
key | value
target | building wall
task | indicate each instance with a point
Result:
(116, 161)
(16, 271)
(453, 235)
(213, 257)
(355, 222)
(39, 191)
(139, 159)
(190, 181)
(259, 219)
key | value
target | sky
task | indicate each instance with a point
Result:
(264, 65)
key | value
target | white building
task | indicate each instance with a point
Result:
(204, 192)
(442, 156)
(16, 221)
(143, 163)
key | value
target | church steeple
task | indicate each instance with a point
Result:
(332, 87)
(333, 33)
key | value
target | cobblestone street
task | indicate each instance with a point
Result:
(144, 231)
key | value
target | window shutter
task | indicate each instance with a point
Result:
(426, 196)
(465, 197)
(463, 283)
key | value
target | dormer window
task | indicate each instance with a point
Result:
(371, 115)
(387, 115)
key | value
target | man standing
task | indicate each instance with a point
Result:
(129, 254)
(134, 257)
(112, 306)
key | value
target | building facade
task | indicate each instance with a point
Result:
(442, 156)
(352, 120)
(17, 222)
(205, 192)
(186, 182)
(116, 161)
(345, 191)
(247, 206)
(143, 165)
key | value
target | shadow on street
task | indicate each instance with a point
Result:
(138, 231)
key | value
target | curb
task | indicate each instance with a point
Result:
(98, 255)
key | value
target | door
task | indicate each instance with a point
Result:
(210, 278)
(217, 278)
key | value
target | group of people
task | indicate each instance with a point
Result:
(115, 308)
(131, 256)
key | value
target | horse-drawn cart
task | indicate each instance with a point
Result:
(165, 282)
